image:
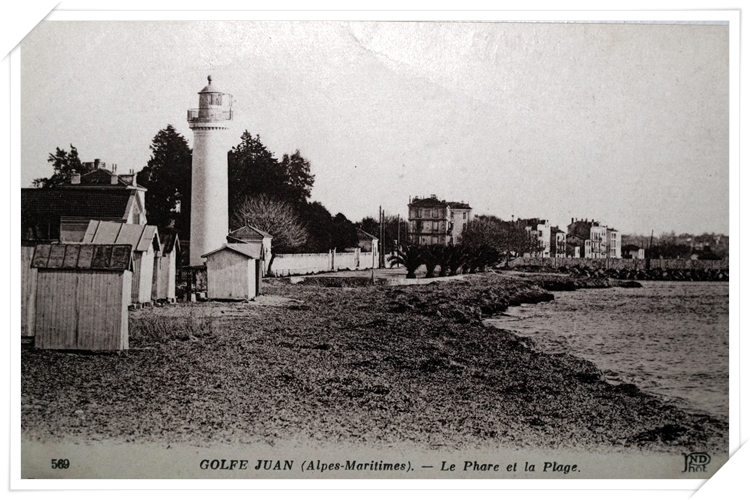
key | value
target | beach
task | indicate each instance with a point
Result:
(345, 362)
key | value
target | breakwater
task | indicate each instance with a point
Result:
(641, 274)
(620, 264)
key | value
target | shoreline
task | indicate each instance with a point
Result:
(409, 365)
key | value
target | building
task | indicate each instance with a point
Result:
(63, 213)
(233, 272)
(144, 240)
(540, 233)
(614, 244)
(259, 239)
(82, 296)
(557, 242)
(596, 240)
(633, 252)
(437, 222)
(209, 217)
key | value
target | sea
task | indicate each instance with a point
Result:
(670, 338)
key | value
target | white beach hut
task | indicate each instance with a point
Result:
(234, 272)
(82, 296)
(145, 243)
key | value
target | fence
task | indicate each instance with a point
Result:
(28, 291)
(618, 264)
(311, 263)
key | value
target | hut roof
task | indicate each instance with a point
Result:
(364, 235)
(169, 240)
(246, 249)
(83, 256)
(139, 237)
(247, 233)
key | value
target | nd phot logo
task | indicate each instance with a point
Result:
(696, 462)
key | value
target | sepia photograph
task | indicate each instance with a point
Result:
(375, 249)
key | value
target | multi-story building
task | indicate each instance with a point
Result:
(63, 213)
(539, 230)
(557, 242)
(433, 221)
(598, 241)
(614, 244)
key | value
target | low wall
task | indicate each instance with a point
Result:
(295, 264)
(618, 264)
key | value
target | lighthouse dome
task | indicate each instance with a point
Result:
(210, 88)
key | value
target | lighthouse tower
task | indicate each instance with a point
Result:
(209, 216)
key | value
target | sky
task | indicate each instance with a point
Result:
(627, 124)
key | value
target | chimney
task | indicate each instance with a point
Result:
(113, 179)
(96, 162)
(75, 178)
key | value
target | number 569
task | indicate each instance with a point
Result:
(60, 463)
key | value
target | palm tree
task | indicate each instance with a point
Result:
(456, 258)
(411, 257)
(433, 256)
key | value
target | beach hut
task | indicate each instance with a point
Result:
(253, 236)
(165, 267)
(82, 296)
(145, 243)
(233, 272)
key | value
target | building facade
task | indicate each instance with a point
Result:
(540, 236)
(557, 242)
(437, 222)
(596, 240)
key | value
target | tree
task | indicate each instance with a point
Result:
(254, 170)
(411, 257)
(394, 230)
(343, 233)
(278, 218)
(298, 180)
(432, 257)
(168, 178)
(319, 225)
(63, 165)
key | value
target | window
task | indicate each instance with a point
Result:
(464, 215)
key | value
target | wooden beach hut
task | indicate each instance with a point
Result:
(145, 243)
(82, 296)
(165, 267)
(233, 272)
(253, 236)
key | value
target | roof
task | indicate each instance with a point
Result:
(209, 88)
(139, 237)
(364, 235)
(103, 177)
(248, 233)
(81, 256)
(248, 250)
(427, 202)
(169, 240)
(92, 202)
(434, 202)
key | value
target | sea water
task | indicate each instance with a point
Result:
(669, 338)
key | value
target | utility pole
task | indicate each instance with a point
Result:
(381, 240)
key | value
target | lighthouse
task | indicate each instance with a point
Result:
(209, 215)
